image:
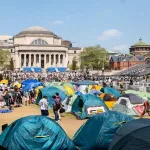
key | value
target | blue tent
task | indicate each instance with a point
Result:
(133, 135)
(35, 133)
(29, 81)
(32, 69)
(27, 69)
(30, 85)
(99, 130)
(87, 105)
(85, 82)
(49, 92)
(112, 91)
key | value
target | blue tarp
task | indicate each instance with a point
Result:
(99, 130)
(32, 69)
(30, 85)
(85, 82)
(51, 69)
(28, 81)
(55, 69)
(61, 69)
(35, 133)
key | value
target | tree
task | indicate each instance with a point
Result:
(94, 57)
(4, 58)
(11, 64)
(74, 65)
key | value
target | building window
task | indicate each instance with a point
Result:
(39, 42)
(74, 52)
(31, 63)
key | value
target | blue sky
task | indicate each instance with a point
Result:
(114, 24)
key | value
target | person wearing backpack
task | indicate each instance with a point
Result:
(56, 107)
(59, 100)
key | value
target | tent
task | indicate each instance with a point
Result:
(99, 130)
(49, 92)
(28, 81)
(67, 105)
(141, 94)
(35, 133)
(126, 104)
(112, 91)
(37, 90)
(134, 135)
(4, 81)
(30, 85)
(108, 99)
(85, 82)
(87, 105)
(68, 88)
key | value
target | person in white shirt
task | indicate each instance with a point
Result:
(44, 106)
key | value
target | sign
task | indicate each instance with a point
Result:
(95, 110)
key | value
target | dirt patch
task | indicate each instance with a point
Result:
(69, 122)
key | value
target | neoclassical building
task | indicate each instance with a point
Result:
(39, 47)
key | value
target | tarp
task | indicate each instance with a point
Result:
(112, 91)
(37, 90)
(87, 105)
(51, 69)
(134, 135)
(85, 82)
(62, 69)
(30, 85)
(49, 92)
(35, 133)
(99, 130)
(32, 69)
(28, 81)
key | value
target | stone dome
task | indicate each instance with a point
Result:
(36, 28)
(140, 43)
(37, 31)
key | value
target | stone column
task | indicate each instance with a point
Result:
(39, 60)
(65, 60)
(24, 63)
(34, 58)
(54, 63)
(45, 63)
(49, 58)
(29, 64)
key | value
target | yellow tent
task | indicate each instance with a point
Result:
(4, 81)
(37, 90)
(110, 103)
(96, 87)
(16, 84)
(69, 90)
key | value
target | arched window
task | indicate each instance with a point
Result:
(39, 42)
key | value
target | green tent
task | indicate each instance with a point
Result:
(141, 94)
(87, 105)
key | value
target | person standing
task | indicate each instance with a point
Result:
(56, 107)
(59, 100)
(26, 97)
(44, 106)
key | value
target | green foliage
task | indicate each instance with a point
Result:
(94, 57)
(4, 57)
(74, 65)
(11, 64)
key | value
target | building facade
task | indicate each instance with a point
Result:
(125, 61)
(39, 47)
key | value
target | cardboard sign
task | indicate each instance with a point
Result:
(95, 110)
(139, 109)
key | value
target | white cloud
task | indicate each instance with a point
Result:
(109, 34)
(122, 48)
(58, 22)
